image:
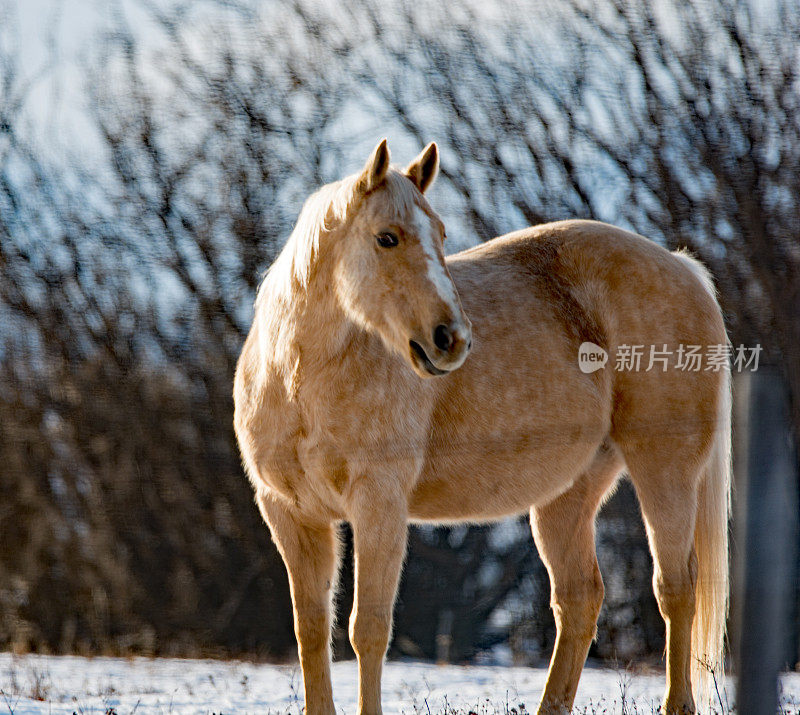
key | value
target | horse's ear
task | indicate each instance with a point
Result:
(423, 170)
(375, 169)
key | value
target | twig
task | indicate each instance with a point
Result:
(8, 704)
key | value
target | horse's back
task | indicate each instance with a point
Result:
(601, 266)
(607, 285)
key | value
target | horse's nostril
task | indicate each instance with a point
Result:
(442, 337)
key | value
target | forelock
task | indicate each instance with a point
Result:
(402, 193)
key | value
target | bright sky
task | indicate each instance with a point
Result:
(55, 40)
(51, 33)
(52, 36)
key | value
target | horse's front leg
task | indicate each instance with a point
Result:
(378, 518)
(311, 556)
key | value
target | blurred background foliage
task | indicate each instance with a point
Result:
(127, 276)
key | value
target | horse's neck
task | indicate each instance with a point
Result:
(303, 327)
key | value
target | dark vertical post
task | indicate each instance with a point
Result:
(765, 535)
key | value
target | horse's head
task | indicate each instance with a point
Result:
(391, 275)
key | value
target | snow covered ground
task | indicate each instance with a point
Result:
(48, 684)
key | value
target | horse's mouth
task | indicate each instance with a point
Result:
(422, 361)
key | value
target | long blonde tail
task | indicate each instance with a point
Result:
(711, 545)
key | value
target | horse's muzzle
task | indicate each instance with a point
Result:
(449, 348)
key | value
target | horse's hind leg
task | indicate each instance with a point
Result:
(564, 534)
(310, 553)
(667, 490)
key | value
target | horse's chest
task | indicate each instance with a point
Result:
(359, 434)
(326, 473)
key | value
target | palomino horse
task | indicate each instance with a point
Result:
(382, 383)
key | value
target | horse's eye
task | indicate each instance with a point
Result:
(386, 239)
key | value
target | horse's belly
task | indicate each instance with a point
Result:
(491, 480)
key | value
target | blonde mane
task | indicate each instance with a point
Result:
(293, 264)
